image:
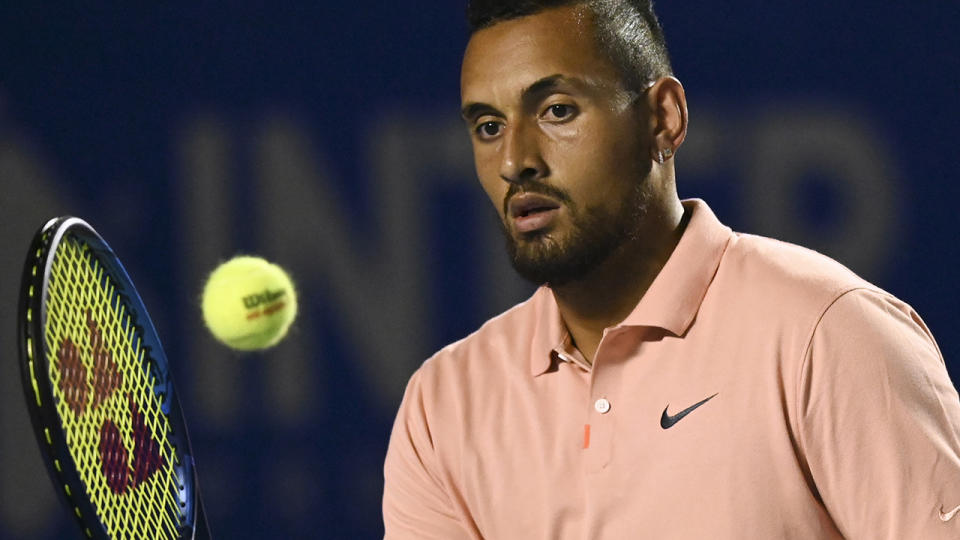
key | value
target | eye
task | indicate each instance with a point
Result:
(559, 112)
(488, 130)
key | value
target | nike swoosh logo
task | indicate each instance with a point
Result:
(667, 421)
(949, 515)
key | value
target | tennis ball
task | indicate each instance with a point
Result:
(249, 303)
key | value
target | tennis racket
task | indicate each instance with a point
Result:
(100, 393)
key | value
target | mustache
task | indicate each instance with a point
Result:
(534, 187)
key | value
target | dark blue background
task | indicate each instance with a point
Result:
(97, 104)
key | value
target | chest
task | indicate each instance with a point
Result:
(656, 429)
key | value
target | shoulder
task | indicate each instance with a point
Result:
(828, 305)
(791, 280)
(499, 348)
(779, 290)
(867, 326)
(769, 263)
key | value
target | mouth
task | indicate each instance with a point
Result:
(532, 212)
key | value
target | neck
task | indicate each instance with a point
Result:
(610, 292)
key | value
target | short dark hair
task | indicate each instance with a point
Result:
(627, 30)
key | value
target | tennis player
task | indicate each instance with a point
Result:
(670, 378)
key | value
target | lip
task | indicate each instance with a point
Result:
(532, 211)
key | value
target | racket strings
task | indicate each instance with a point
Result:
(105, 395)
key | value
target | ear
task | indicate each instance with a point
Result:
(668, 120)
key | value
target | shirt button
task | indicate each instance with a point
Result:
(601, 405)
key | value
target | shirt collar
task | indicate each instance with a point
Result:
(674, 297)
(671, 302)
(549, 332)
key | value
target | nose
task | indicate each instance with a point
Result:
(521, 159)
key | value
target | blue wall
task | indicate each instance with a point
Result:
(327, 139)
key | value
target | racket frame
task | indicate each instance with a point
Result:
(34, 366)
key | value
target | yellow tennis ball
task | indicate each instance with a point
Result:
(249, 303)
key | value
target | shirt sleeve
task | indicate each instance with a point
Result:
(415, 503)
(879, 421)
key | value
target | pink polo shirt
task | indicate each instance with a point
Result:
(758, 390)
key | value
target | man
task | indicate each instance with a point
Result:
(671, 378)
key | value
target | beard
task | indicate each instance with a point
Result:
(554, 259)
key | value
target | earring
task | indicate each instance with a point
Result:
(660, 156)
(668, 153)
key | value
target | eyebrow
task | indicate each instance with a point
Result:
(542, 86)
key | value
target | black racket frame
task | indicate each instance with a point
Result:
(34, 365)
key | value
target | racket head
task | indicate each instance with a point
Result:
(100, 393)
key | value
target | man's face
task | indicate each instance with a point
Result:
(559, 143)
